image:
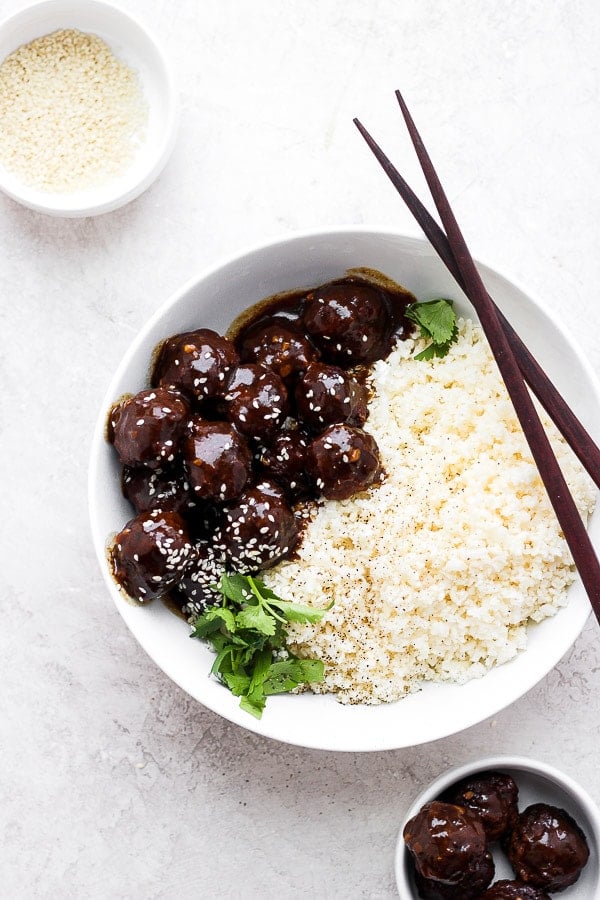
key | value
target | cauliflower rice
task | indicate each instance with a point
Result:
(436, 572)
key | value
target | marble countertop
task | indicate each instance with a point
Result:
(114, 783)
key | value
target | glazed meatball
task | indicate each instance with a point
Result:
(348, 321)
(165, 489)
(150, 554)
(493, 797)
(547, 848)
(204, 570)
(481, 873)
(147, 427)
(259, 529)
(284, 461)
(342, 461)
(449, 850)
(217, 460)
(198, 362)
(327, 395)
(256, 402)
(514, 890)
(278, 346)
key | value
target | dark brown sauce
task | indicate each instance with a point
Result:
(286, 305)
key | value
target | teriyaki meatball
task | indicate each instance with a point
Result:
(327, 395)
(350, 322)
(284, 461)
(256, 402)
(150, 554)
(342, 461)
(279, 346)
(196, 588)
(547, 848)
(198, 362)
(146, 428)
(259, 529)
(493, 797)
(165, 488)
(217, 460)
(449, 849)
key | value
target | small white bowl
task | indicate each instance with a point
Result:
(212, 300)
(537, 783)
(133, 45)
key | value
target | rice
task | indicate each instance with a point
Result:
(435, 573)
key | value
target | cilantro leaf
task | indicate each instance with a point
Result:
(254, 703)
(262, 664)
(246, 631)
(297, 612)
(237, 684)
(436, 320)
(256, 617)
(235, 587)
(212, 619)
(285, 675)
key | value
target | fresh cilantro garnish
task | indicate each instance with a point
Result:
(437, 323)
(247, 632)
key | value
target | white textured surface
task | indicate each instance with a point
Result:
(113, 783)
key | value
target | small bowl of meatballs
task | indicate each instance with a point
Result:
(502, 828)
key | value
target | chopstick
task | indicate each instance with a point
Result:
(580, 441)
(561, 499)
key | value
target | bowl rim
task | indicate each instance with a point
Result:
(118, 193)
(498, 763)
(98, 444)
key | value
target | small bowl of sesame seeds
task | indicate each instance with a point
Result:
(88, 108)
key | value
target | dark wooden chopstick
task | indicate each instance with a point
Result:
(564, 506)
(580, 441)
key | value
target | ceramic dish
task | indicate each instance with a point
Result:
(537, 783)
(213, 299)
(131, 43)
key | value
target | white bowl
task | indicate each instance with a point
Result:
(213, 299)
(537, 783)
(132, 44)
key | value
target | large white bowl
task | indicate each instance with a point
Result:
(213, 299)
(133, 44)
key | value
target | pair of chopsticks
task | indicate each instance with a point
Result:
(515, 362)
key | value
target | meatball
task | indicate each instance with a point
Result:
(204, 570)
(327, 395)
(198, 362)
(514, 890)
(349, 322)
(259, 529)
(449, 850)
(147, 427)
(257, 402)
(481, 873)
(150, 554)
(217, 460)
(342, 461)
(284, 461)
(278, 346)
(493, 797)
(547, 848)
(165, 489)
